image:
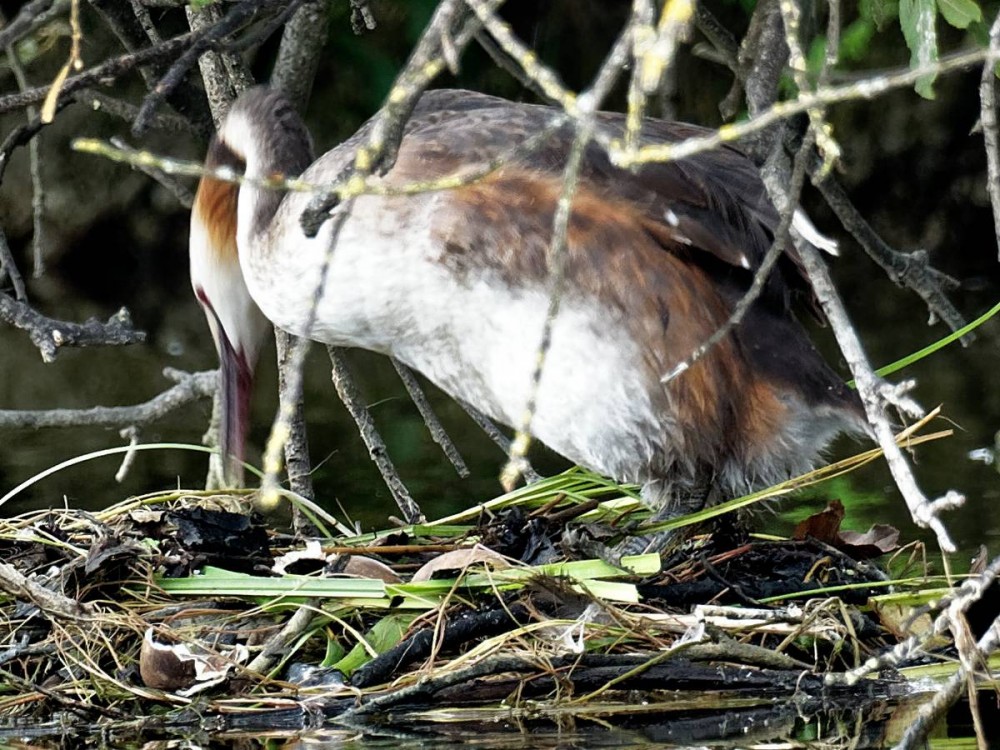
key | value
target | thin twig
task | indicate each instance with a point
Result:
(875, 394)
(988, 117)
(502, 61)
(21, 135)
(48, 335)
(100, 102)
(8, 268)
(298, 60)
(763, 272)
(499, 439)
(426, 61)
(791, 15)
(775, 113)
(278, 644)
(181, 192)
(53, 604)
(188, 388)
(202, 41)
(925, 513)
(297, 463)
(438, 434)
(348, 392)
(35, 170)
(141, 13)
(31, 16)
(101, 74)
(130, 433)
(910, 270)
(932, 711)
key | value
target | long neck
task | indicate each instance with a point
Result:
(266, 131)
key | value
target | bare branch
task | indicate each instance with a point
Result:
(762, 61)
(770, 115)
(31, 16)
(120, 18)
(188, 388)
(434, 426)
(348, 392)
(8, 268)
(218, 86)
(511, 68)
(203, 40)
(131, 24)
(35, 170)
(763, 273)
(53, 604)
(20, 136)
(362, 18)
(910, 270)
(874, 395)
(294, 71)
(141, 13)
(103, 74)
(499, 439)
(988, 117)
(49, 335)
(951, 616)
(299, 52)
(297, 462)
(131, 433)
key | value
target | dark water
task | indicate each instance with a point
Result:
(870, 724)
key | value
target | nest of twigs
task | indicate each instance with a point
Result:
(168, 599)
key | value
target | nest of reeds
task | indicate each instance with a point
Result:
(176, 599)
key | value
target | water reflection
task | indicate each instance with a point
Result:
(658, 721)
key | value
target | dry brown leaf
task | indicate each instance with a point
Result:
(460, 559)
(822, 526)
(878, 540)
(369, 567)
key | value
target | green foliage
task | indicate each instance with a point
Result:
(918, 22)
(384, 634)
(917, 19)
(879, 12)
(855, 38)
(960, 13)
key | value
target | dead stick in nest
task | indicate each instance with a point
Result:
(51, 603)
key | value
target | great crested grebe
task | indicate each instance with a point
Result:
(455, 283)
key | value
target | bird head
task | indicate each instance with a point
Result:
(237, 325)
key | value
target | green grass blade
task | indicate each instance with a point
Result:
(118, 450)
(928, 350)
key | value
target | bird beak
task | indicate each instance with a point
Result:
(234, 420)
(238, 345)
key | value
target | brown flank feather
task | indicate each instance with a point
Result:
(641, 275)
